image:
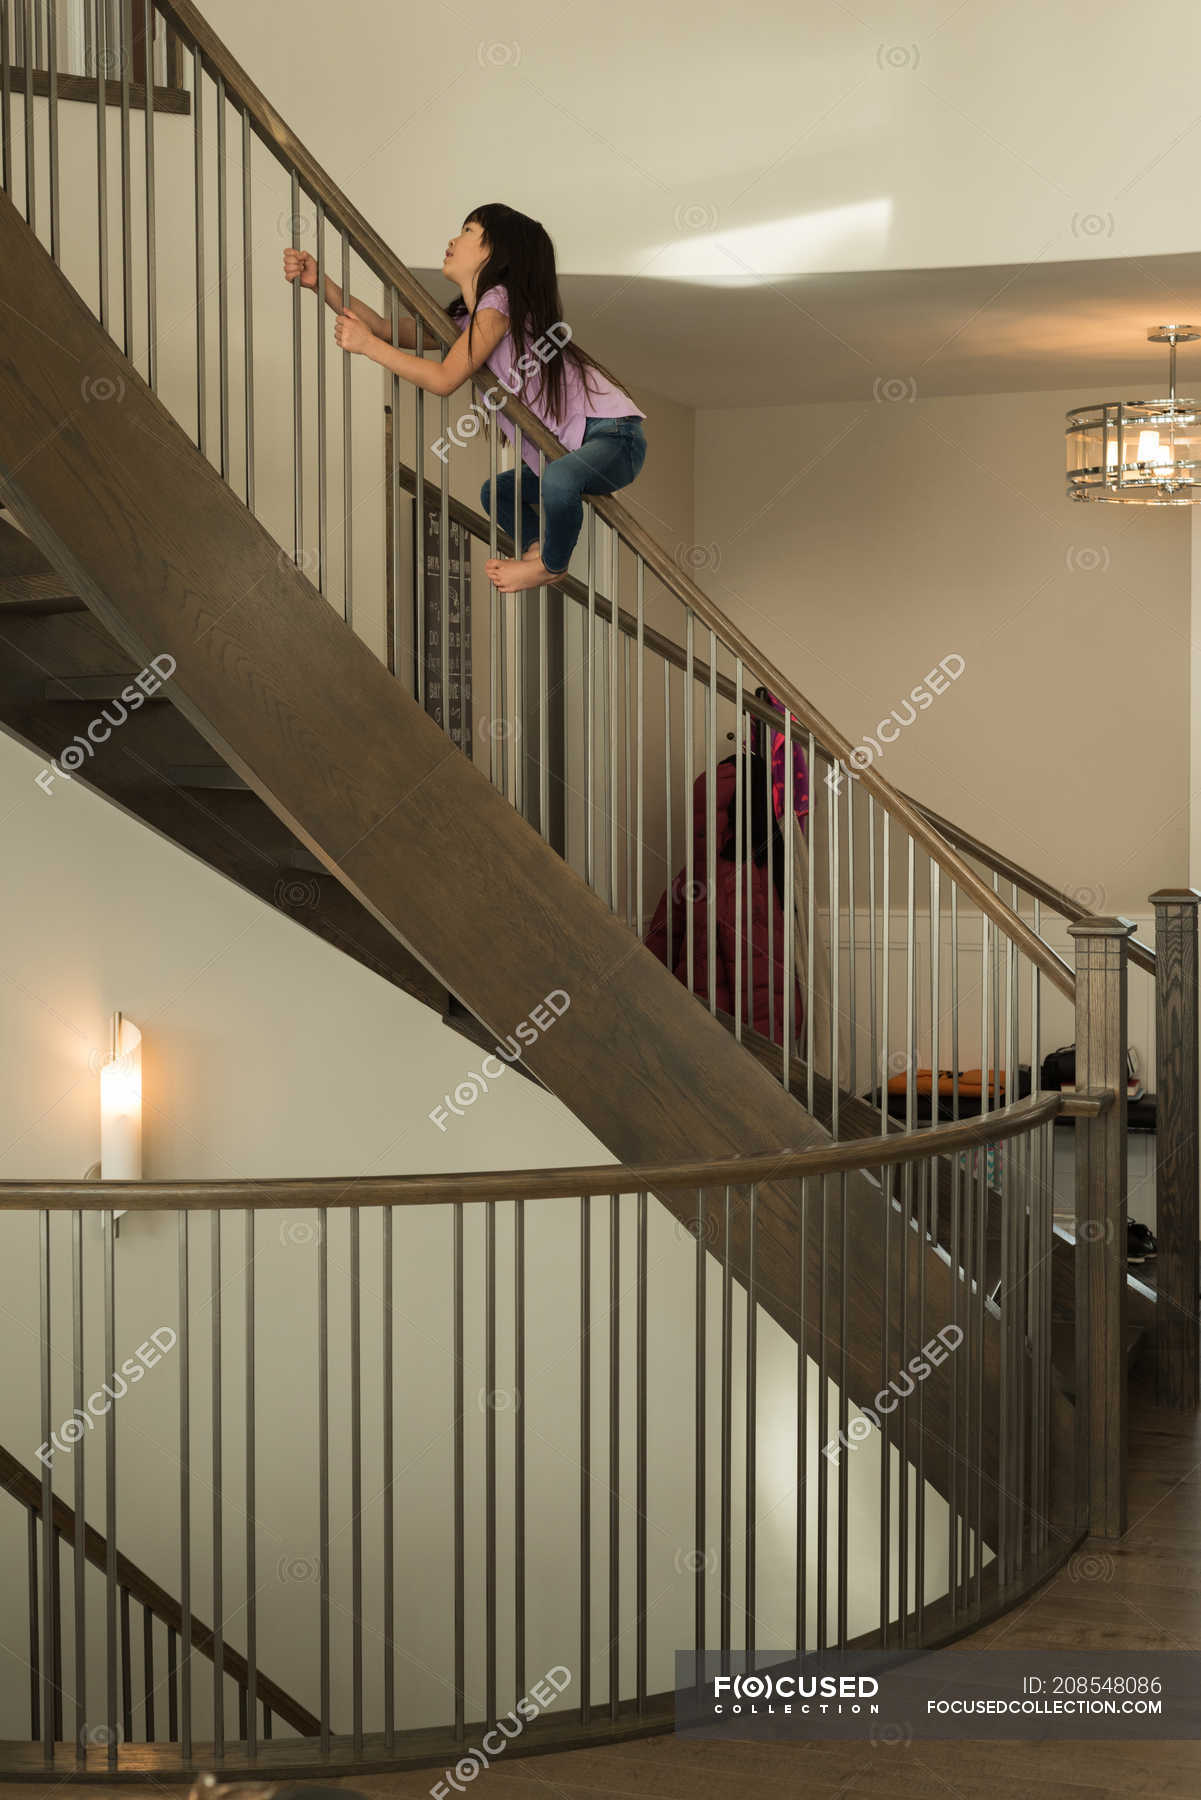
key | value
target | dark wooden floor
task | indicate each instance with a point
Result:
(1141, 1593)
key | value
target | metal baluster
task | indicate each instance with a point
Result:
(395, 621)
(973, 1226)
(218, 1499)
(910, 998)
(589, 723)
(959, 1204)
(613, 639)
(35, 1659)
(502, 613)
(519, 1446)
(222, 279)
(699, 1430)
(823, 1427)
(851, 934)
(956, 1291)
(997, 1004)
(52, 112)
(811, 911)
(835, 935)
(614, 1443)
(6, 107)
(172, 1687)
(1036, 1015)
(886, 1432)
(885, 963)
(460, 1649)
(752, 1320)
(802, 1438)
(151, 235)
(787, 1023)
(80, 1490)
(640, 823)
(490, 1458)
(148, 1672)
(127, 1670)
(671, 959)
(389, 1480)
(420, 685)
(711, 824)
(322, 429)
(543, 675)
(101, 51)
(903, 1406)
(198, 180)
(749, 912)
(935, 1064)
(297, 393)
(689, 848)
(844, 1334)
(356, 1483)
(56, 1608)
(872, 1063)
(495, 687)
(924, 1172)
(520, 601)
(31, 181)
(348, 459)
(47, 1424)
(627, 771)
(769, 815)
(250, 1731)
(640, 1498)
(185, 1491)
(107, 1226)
(981, 1267)
(727, 1439)
(585, 1459)
(125, 43)
(741, 852)
(323, 1470)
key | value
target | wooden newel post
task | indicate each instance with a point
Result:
(1176, 1124)
(1101, 946)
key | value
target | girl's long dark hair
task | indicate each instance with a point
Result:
(759, 825)
(521, 258)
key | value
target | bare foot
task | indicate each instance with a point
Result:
(513, 577)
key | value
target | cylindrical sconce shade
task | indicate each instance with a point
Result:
(121, 1105)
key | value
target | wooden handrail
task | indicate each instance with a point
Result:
(543, 1184)
(1141, 954)
(477, 525)
(26, 1487)
(281, 140)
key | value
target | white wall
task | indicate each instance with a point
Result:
(861, 545)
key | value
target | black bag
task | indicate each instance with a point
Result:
(1059, 1067)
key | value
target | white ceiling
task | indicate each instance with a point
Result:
(987, 329)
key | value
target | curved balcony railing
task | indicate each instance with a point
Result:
(534, 1420)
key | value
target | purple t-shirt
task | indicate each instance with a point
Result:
(599, 400)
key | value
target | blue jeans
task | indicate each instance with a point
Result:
(612, 453)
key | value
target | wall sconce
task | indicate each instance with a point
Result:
(121, 1106)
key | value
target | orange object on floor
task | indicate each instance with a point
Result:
(970, 1083)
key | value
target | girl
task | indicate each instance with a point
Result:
(503, 264)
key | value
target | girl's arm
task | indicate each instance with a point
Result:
(301, 265)
(441, 378)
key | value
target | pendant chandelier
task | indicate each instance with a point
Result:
(1144, 451)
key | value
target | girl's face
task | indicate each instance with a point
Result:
(466, 254)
